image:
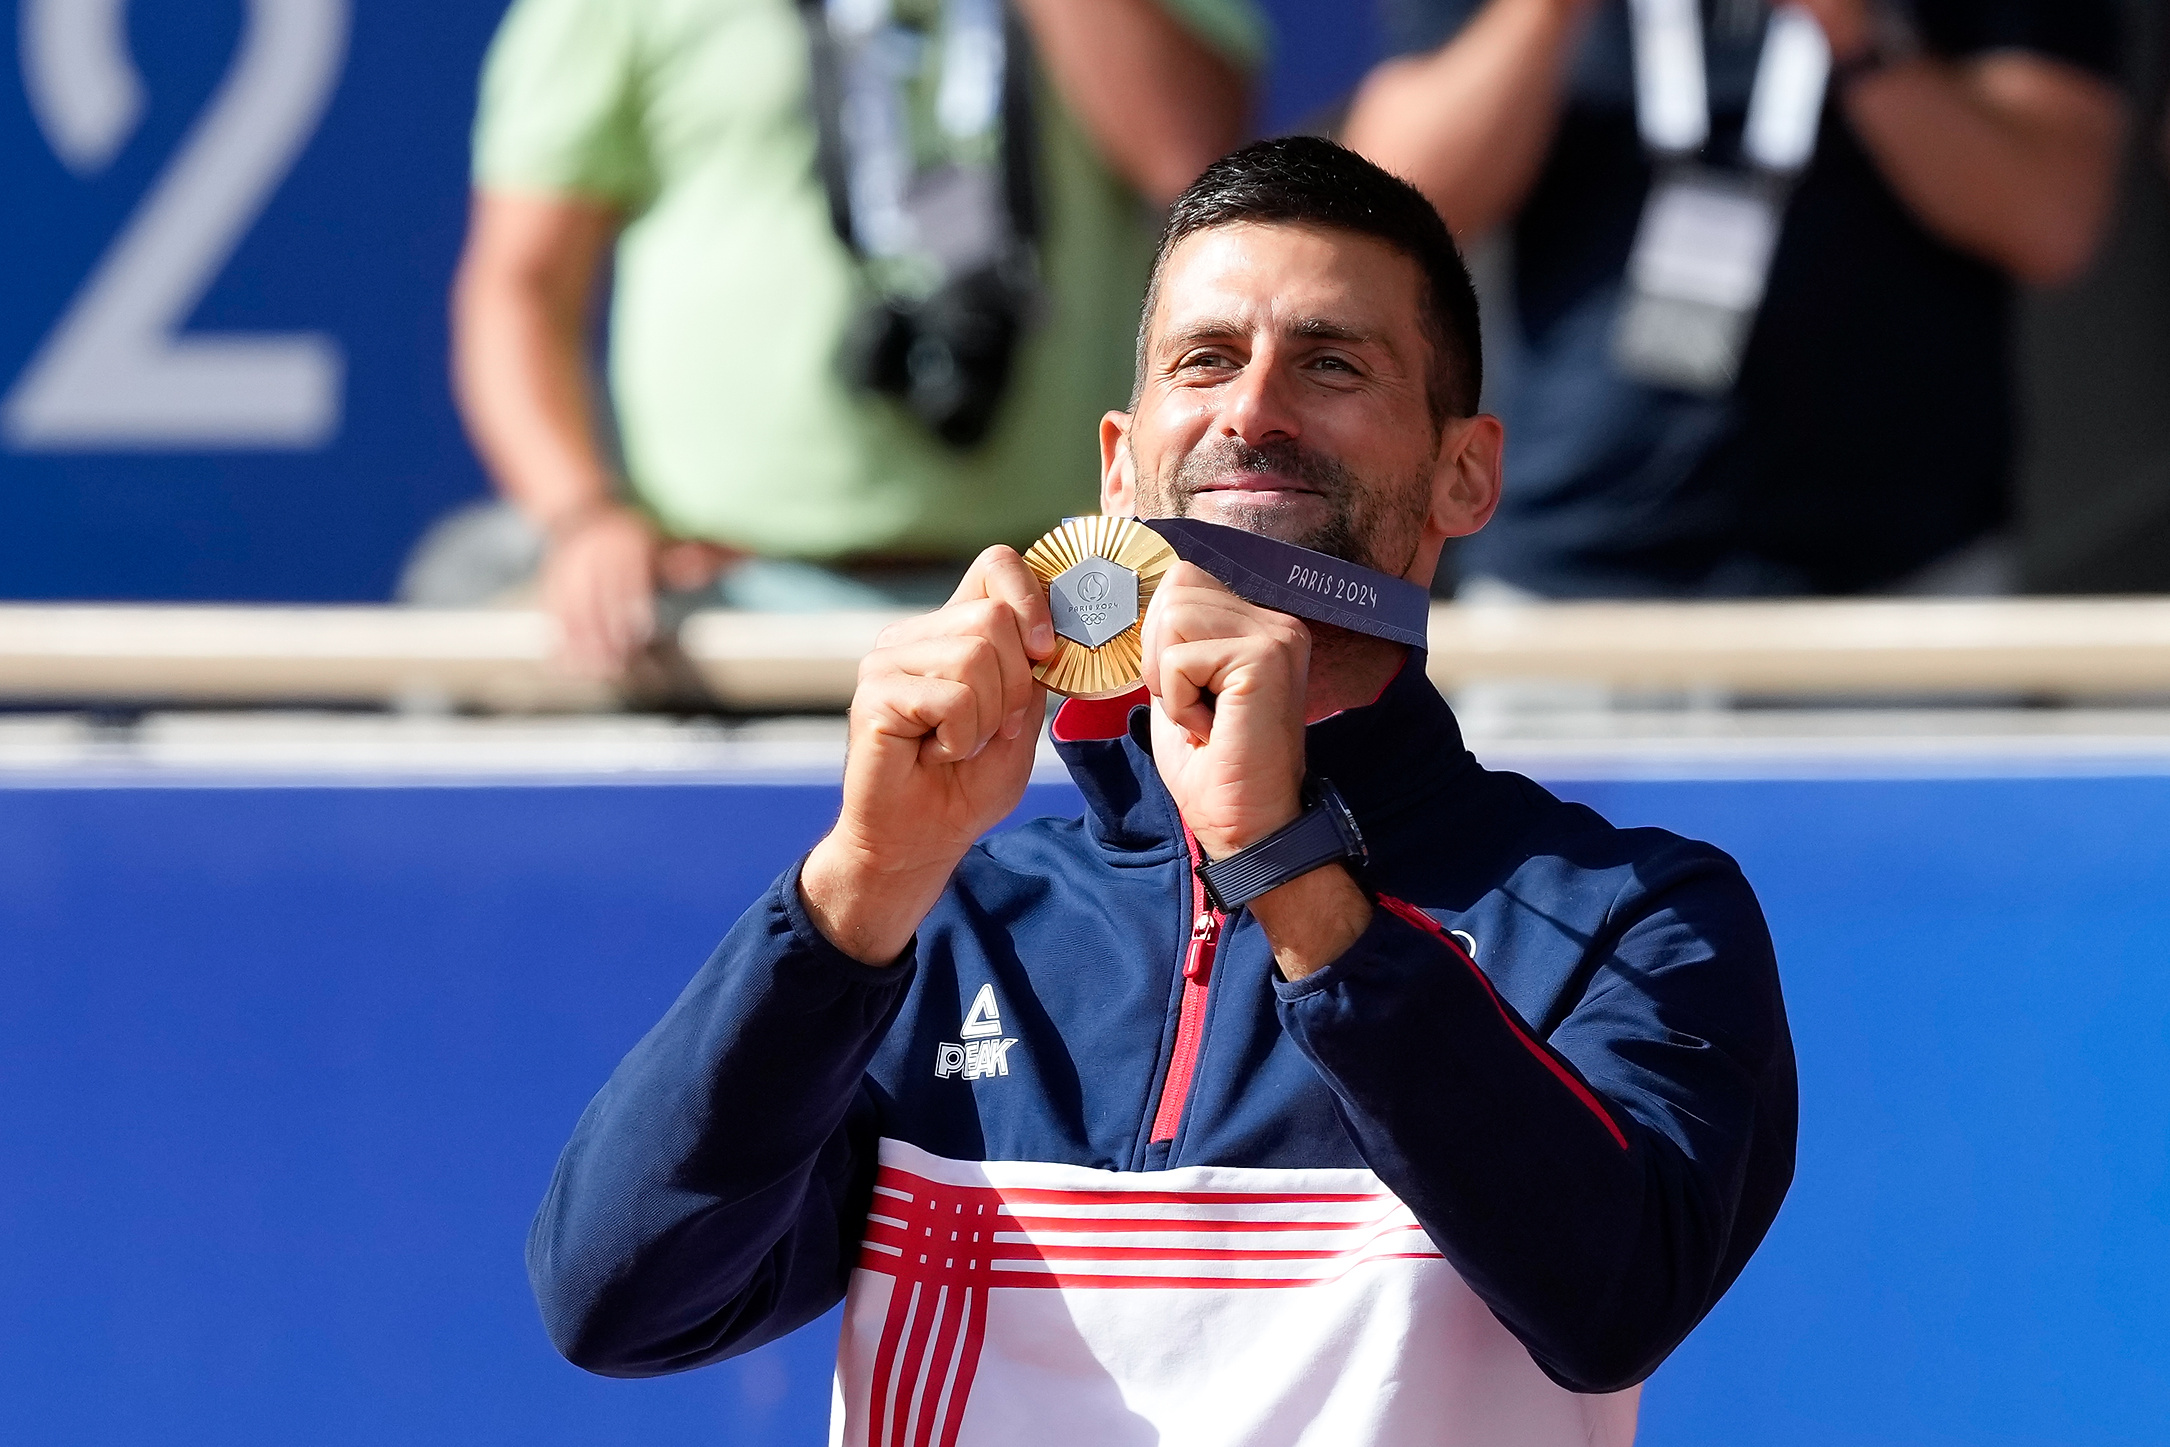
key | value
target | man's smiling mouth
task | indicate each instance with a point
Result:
(1257, 482)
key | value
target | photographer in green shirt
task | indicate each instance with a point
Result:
(718, 154)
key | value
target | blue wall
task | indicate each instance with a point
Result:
(285, 1071)
(352, 247)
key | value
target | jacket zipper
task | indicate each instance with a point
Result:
(1190, 1025)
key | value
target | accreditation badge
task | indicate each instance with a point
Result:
(1099, 573)
(1696, 278)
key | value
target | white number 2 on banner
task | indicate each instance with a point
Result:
(117, 372)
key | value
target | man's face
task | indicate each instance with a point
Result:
(1284, 392)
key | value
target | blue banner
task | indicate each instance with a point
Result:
(286, 1070)
(222, 329)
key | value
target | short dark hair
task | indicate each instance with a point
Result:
(1309, 181)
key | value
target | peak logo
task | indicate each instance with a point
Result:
(984, 1052)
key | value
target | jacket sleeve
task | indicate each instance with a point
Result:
(1599, 1190)
(713, 1194)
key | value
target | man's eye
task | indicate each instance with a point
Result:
(1334, 364)
(1197, 360)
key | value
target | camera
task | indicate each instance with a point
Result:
(946, 358)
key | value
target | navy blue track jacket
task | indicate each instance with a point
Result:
(1560, 1046)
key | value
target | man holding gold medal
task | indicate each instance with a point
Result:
(1318, 1084)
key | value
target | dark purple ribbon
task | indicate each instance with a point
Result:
(1289, 579)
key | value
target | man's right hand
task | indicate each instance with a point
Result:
(944, 725)
(598, 581)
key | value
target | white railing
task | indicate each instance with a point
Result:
(500, 660)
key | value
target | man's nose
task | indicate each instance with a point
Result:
(1260, 405)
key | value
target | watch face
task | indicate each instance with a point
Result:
(1344, 819)
(1352, 835)
(1099, 573)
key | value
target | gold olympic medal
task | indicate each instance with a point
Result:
(1099, 573)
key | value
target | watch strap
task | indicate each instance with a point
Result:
(1321, 835)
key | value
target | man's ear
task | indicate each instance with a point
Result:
(1118, 475)
(1466, 480)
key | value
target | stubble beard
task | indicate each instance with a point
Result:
(1377, 525)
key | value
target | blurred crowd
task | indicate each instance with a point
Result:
(860, 277)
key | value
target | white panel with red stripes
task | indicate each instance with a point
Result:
(1021, 1303)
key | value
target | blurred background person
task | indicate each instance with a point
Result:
(1856, 433)
(873, 270)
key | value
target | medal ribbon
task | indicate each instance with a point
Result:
(1312, 585)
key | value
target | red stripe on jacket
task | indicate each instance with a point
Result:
(1402, 909)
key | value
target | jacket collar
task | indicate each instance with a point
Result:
(1390, 755)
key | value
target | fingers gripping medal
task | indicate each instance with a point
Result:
(1099, 573)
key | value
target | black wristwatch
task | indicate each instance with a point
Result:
(1325, 833)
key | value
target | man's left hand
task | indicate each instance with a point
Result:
(1228, 679)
